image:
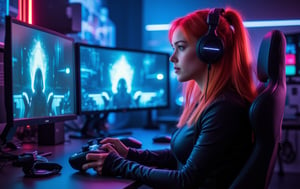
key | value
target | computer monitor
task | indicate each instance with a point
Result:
(120, 79)
(292, 56)
(40, 76)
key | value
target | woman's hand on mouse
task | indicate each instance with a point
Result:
(114, 145)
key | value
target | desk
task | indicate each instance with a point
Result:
(13, 177)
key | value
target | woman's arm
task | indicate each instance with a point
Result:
(154, 158)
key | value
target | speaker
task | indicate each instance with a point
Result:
(210, 47)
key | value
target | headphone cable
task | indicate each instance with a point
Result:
(208, 69)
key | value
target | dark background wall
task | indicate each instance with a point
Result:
(127, 16)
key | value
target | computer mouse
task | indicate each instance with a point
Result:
(162, 139)
(131, 142)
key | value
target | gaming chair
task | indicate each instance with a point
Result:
(266, 114)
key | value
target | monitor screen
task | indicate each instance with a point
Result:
(292, 58)
(40, 76)
(116, 79)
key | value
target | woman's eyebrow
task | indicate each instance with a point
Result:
(180, 41)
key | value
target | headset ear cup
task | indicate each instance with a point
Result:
(210, 48)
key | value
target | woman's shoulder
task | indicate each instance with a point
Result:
(227, 103)
(231, 98)
(226, 110)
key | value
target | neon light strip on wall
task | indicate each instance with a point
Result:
(25, 11)
(20, 10)
(247, 24)
(30, 11)
(271, 23)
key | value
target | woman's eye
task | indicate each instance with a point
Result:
(180, 47)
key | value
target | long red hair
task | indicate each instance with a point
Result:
(234, 69)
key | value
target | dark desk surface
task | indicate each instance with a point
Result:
(13, 177)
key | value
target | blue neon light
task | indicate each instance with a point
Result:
(247, 24)
(7, 8)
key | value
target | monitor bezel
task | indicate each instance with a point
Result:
(78, 45)
(8, 78)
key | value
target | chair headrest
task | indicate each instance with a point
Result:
(271, 57)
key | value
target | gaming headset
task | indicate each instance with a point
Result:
(210, 47)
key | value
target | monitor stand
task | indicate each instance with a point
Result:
(95, 126)
(153, 125)
(51, 133)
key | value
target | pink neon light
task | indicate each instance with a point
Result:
(290, 59)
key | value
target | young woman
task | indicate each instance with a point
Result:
(214, 137)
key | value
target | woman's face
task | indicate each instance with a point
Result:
(187, 65)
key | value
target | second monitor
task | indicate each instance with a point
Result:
(118, 79)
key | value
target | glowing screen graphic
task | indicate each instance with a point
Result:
(43, 82)
(290, 59)
(122, 79)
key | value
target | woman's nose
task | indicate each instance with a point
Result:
(173, 58)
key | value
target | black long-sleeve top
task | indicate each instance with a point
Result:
(208, 154)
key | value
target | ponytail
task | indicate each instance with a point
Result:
(242, 75)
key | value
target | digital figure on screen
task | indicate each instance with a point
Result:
(213, 139)
(38, 103)
(122, 99)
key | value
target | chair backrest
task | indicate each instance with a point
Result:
(266, 114)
